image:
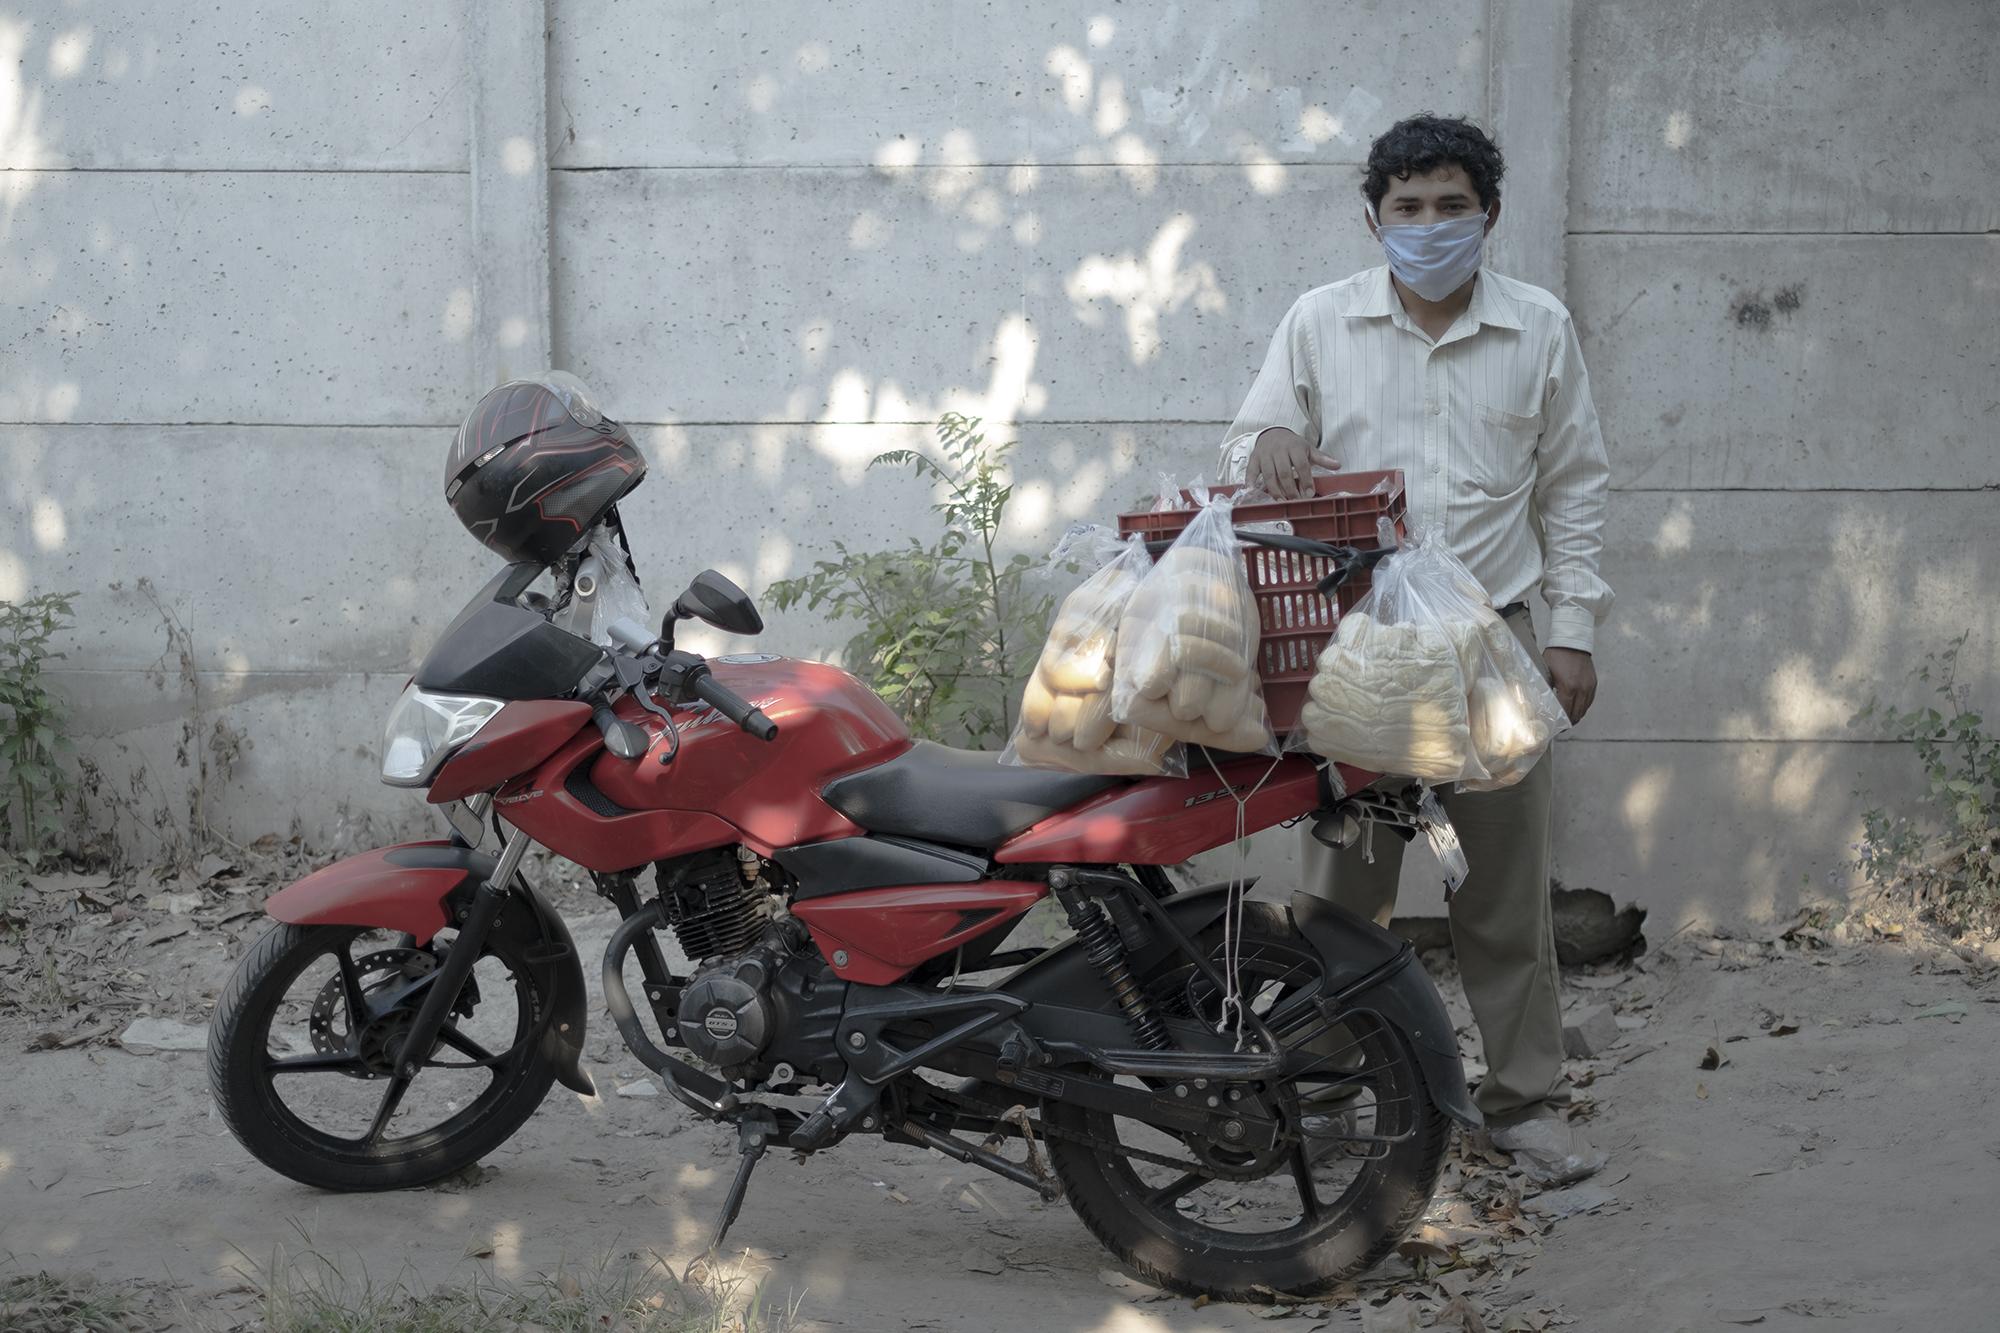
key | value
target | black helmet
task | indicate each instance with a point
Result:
(536, 466)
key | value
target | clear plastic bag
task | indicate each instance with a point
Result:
(1423, 679)
(1187, 650)
(1513, 713)
(603, 590)
(1065, 717)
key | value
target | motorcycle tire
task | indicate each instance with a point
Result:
(1166, 1247)
(238, 1059)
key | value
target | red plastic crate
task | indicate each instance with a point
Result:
(1297, 621)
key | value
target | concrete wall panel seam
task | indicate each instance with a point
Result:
(510, 190)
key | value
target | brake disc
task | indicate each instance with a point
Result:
(379, 1035)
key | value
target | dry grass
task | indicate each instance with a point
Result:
(44, 1302)
(635, 1293)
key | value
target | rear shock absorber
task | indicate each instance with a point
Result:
(1103, 947)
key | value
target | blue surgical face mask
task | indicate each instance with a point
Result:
(1433, 259)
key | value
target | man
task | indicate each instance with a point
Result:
(1472, 384)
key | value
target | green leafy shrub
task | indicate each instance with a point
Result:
(947, 628)
(31, 739)
(1948, 857)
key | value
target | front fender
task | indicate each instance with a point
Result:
(416, 888)
(392, 888)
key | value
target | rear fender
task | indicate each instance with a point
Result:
(1402, 993)
(416, 888)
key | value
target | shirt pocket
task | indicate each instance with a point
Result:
(1502, 448)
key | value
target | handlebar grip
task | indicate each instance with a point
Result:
(734, 707)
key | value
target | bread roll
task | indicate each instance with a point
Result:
(1138, 755)
(1188, 698)
(1094, 723)
(1078, 666)
(1062, 718)
(1227, 705)
(1036, 702)
(1144, 655)
(1251, 734)
(1204, 622)
(1206, 657)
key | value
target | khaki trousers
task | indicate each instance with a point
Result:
(1501, 927)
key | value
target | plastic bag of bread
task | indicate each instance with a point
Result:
(1187, 650)
(1513, 712)
(1390, 698)
(1424, 679)
(1065, 720)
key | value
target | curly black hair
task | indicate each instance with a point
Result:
(1422, 144)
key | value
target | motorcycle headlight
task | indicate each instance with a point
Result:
(425, 728)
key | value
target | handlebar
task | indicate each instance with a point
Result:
(733, 706)
(684, 677)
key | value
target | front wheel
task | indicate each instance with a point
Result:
(1351, 1175)
(303, 1057)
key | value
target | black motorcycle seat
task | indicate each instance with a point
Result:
(966, 798)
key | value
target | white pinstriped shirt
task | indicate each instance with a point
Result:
(1492, 426)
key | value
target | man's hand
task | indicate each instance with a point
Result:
(1281, 464)
(1573, 676)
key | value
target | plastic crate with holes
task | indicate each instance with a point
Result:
(1359, 512)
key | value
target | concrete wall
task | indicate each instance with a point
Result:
(1781, 264)
(252, 268)
(237, 313)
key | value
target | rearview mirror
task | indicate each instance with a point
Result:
(715, 600)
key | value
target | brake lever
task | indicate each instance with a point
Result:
(622, 738)
(632, 675)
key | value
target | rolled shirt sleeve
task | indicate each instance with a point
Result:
(1571, 490)
(1286, 394)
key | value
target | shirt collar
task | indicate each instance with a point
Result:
(1489, 305)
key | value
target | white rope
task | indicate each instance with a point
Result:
(1232, 917)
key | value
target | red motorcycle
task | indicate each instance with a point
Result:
(1231, 1094)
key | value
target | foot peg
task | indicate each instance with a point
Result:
(853, 1101)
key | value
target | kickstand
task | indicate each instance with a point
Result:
(754, 1133)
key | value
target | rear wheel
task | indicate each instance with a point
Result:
(1354, 1169)
(302, 1058)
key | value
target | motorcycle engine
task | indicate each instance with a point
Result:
(761, 999)
(725, 1018)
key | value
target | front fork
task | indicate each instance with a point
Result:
(475, 922)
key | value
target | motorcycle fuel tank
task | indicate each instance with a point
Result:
(721, 785)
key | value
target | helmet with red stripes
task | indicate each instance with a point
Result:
(536, 465)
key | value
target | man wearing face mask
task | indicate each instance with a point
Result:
(1473, 384)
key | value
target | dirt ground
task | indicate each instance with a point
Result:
(1836, 1165)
